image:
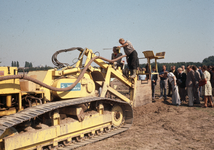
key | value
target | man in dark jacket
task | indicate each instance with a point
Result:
(190, 83)
(116, 53)
(196, 87)
(181, 81)
(163, 83)
(154, 78)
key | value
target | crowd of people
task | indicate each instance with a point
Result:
(194, 82)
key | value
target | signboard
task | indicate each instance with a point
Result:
(76, 88)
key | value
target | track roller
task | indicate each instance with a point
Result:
(107, 129)
(99, 132)
(51, 147)
(67, 142)
(117, 116)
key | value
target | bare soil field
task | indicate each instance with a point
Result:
(162, 126)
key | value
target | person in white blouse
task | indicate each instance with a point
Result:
(175, 96)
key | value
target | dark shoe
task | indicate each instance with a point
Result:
(196, 103)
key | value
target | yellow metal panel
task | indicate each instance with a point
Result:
(95, 120)
(89, 56)
(9, 86)
(120, 77)
(80, 90)
(8, 112)
(57, 133)
(40, 75)
(121, 96)
(70, 71)
(48, 79)
(25, 139)
(133, 92)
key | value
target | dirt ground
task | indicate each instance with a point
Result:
(162, 126)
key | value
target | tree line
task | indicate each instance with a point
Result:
(15, 64)
(207, 61)
(29, 66)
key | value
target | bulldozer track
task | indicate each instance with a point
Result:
(96, 138)
(32, 112)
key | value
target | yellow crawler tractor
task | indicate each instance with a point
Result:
(63, 106)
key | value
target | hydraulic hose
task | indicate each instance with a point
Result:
(58, 63)
(60, 89)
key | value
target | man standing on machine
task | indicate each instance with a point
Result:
(131, 58)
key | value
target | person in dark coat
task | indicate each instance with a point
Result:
(190, 83)
(181, 81)
(154, 78)
(196, 87)
(116, 53)
(163, 83)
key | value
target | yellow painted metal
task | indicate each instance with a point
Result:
(70, 71)
(98, 61)
(45, 77)
(56, 118)
(20, 101)
(9, 100)
(53, 77)
(58, 132)
(83, 89)
(9, 86)
(79, 63)
(71, 110)
(120, 77)
(8, 111)
(133, 92)
(9, 132)
(117, 115)
(101, 109)
(119, 95)
(150, 55)
(105, 85)
(106, 82)
(89, 56)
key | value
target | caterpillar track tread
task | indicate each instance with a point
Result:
(13, 120)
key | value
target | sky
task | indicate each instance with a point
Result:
(33, 30)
